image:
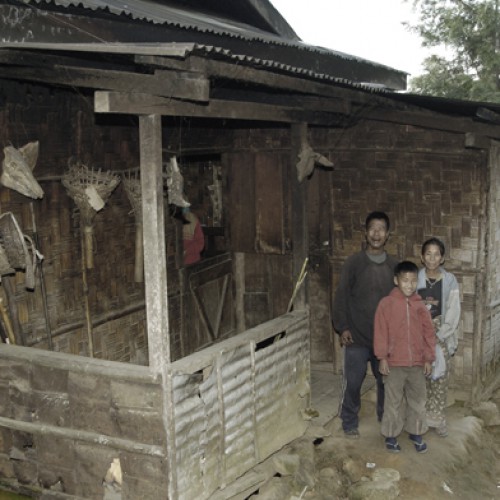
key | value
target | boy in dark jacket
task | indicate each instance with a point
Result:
(404, 343)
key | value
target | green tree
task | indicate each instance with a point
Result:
(469, 30)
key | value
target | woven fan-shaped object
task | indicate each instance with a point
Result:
(132, 184)
(90, 190)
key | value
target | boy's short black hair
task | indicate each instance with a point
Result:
(405, 267)
(433, 241)
(378, 216)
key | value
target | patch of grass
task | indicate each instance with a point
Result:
(5, 495)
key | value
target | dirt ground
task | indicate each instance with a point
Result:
(465, 465)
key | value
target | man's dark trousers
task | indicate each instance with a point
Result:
(355, 366)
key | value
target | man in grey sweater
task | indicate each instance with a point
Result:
(366, 277)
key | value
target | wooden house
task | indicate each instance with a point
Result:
(183, 378)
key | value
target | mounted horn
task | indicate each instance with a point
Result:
(18, 166)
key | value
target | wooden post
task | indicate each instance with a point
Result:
(86, 304)
(300, 231)
(139, 257)
(155, 277)
(300, 236)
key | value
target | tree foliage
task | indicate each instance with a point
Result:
(469, 30)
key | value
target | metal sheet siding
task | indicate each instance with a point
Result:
(247, 407)
(190, 424)
(236, 377)
(279, 379)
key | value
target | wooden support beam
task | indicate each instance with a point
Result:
(431, 120)
(299, 214)
(66, 433)
(155, 278)
(155, 262)
(476, 141)
(195, 292)
(164, 49)
(300, 83)
(141, 104)
(162, 83)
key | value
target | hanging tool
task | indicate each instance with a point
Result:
(298, 284)
(6, 322)
(42, 280)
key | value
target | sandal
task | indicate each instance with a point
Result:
(392, 445)
(442, 429)
(419, 443)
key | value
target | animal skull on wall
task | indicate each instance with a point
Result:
(17, 173)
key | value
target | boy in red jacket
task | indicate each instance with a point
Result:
(404, 342)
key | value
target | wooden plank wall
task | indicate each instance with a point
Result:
(259, 228)
(69, 417)
(490, 338)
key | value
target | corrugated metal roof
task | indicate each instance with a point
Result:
(184, 49)
(191, 20)
(448, 105)
(163, 14)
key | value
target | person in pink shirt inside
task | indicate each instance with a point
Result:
(404, 343)
(193, 237)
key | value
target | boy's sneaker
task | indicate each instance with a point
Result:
(392, 445)
(352, 434)
(419, 443)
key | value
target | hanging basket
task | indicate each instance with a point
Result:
(15, 248)
(5, 267)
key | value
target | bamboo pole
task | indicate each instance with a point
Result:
(86, 304)
(6, 322)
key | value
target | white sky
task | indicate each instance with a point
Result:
(371, 29)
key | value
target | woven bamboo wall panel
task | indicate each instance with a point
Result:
(430, 185)
(111, 286)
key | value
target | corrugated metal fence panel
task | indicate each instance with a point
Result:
(237, 383)
(281, 376)
(211, 442)
(190, 426)
(234, 413)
